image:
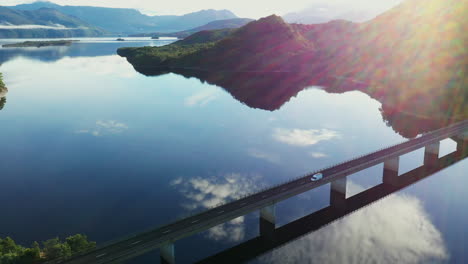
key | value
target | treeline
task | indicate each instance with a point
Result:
(12, 253)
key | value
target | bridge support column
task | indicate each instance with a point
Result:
(268, 221)
(390, 173)
(338, 193)
(462, 143)
(167, 254)
(431, 154)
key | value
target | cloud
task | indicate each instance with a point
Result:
(201, 98)
(54, 26)
(204, 193)
(393, 230)
(318, 155)
(258, 154)
(302, 137)
(104, 128)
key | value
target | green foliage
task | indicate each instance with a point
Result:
(54, 249)
(2, 85)
(79, 243)
(161, 55)
(8, 246)
(11, 253)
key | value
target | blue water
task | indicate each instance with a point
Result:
(91, 146)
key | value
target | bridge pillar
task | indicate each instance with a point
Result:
(338, 193)
(462, 142)
(431, 154)
(167, 254)
(390, 173)
(268, 221)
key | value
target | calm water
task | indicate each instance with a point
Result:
(91, 146)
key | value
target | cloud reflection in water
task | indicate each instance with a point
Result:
(393, 230)
(303, 137)
(104, 128)
(204, 193)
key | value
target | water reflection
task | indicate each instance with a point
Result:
(302, 137)
(396, 229)
(409, 125)
(104, 128)
(3, 92)
(83, 48)
(204, 193)
(270, 91)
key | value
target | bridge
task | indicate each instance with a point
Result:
(164, 237)
(260, 245)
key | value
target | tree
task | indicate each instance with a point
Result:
(54, 249)
(79, 243)
(2, 85)
(8, 246)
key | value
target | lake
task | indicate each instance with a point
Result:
(91, 146)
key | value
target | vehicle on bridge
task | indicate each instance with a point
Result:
(316, 177)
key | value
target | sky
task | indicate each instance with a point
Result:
(242, 8)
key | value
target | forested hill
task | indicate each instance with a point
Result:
(214, 25)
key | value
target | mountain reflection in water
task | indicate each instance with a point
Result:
(271, 90)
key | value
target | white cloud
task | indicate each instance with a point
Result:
(201, 98)
(258, 154)
(104, 127)
(204, 193)
(54, 26)
(394, 230)
(303, 138)
(318, 155)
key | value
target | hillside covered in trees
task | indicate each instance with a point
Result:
(12, 253)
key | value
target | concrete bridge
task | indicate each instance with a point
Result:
(164, 237)
(260, 245)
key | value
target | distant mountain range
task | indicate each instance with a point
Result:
(218, 24)
(43, 22)
(131, 21)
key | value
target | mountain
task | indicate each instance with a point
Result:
(218, 24)
(44, 22)
(326, 11)
(259, 45)
(412, 58)
(131, 21)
